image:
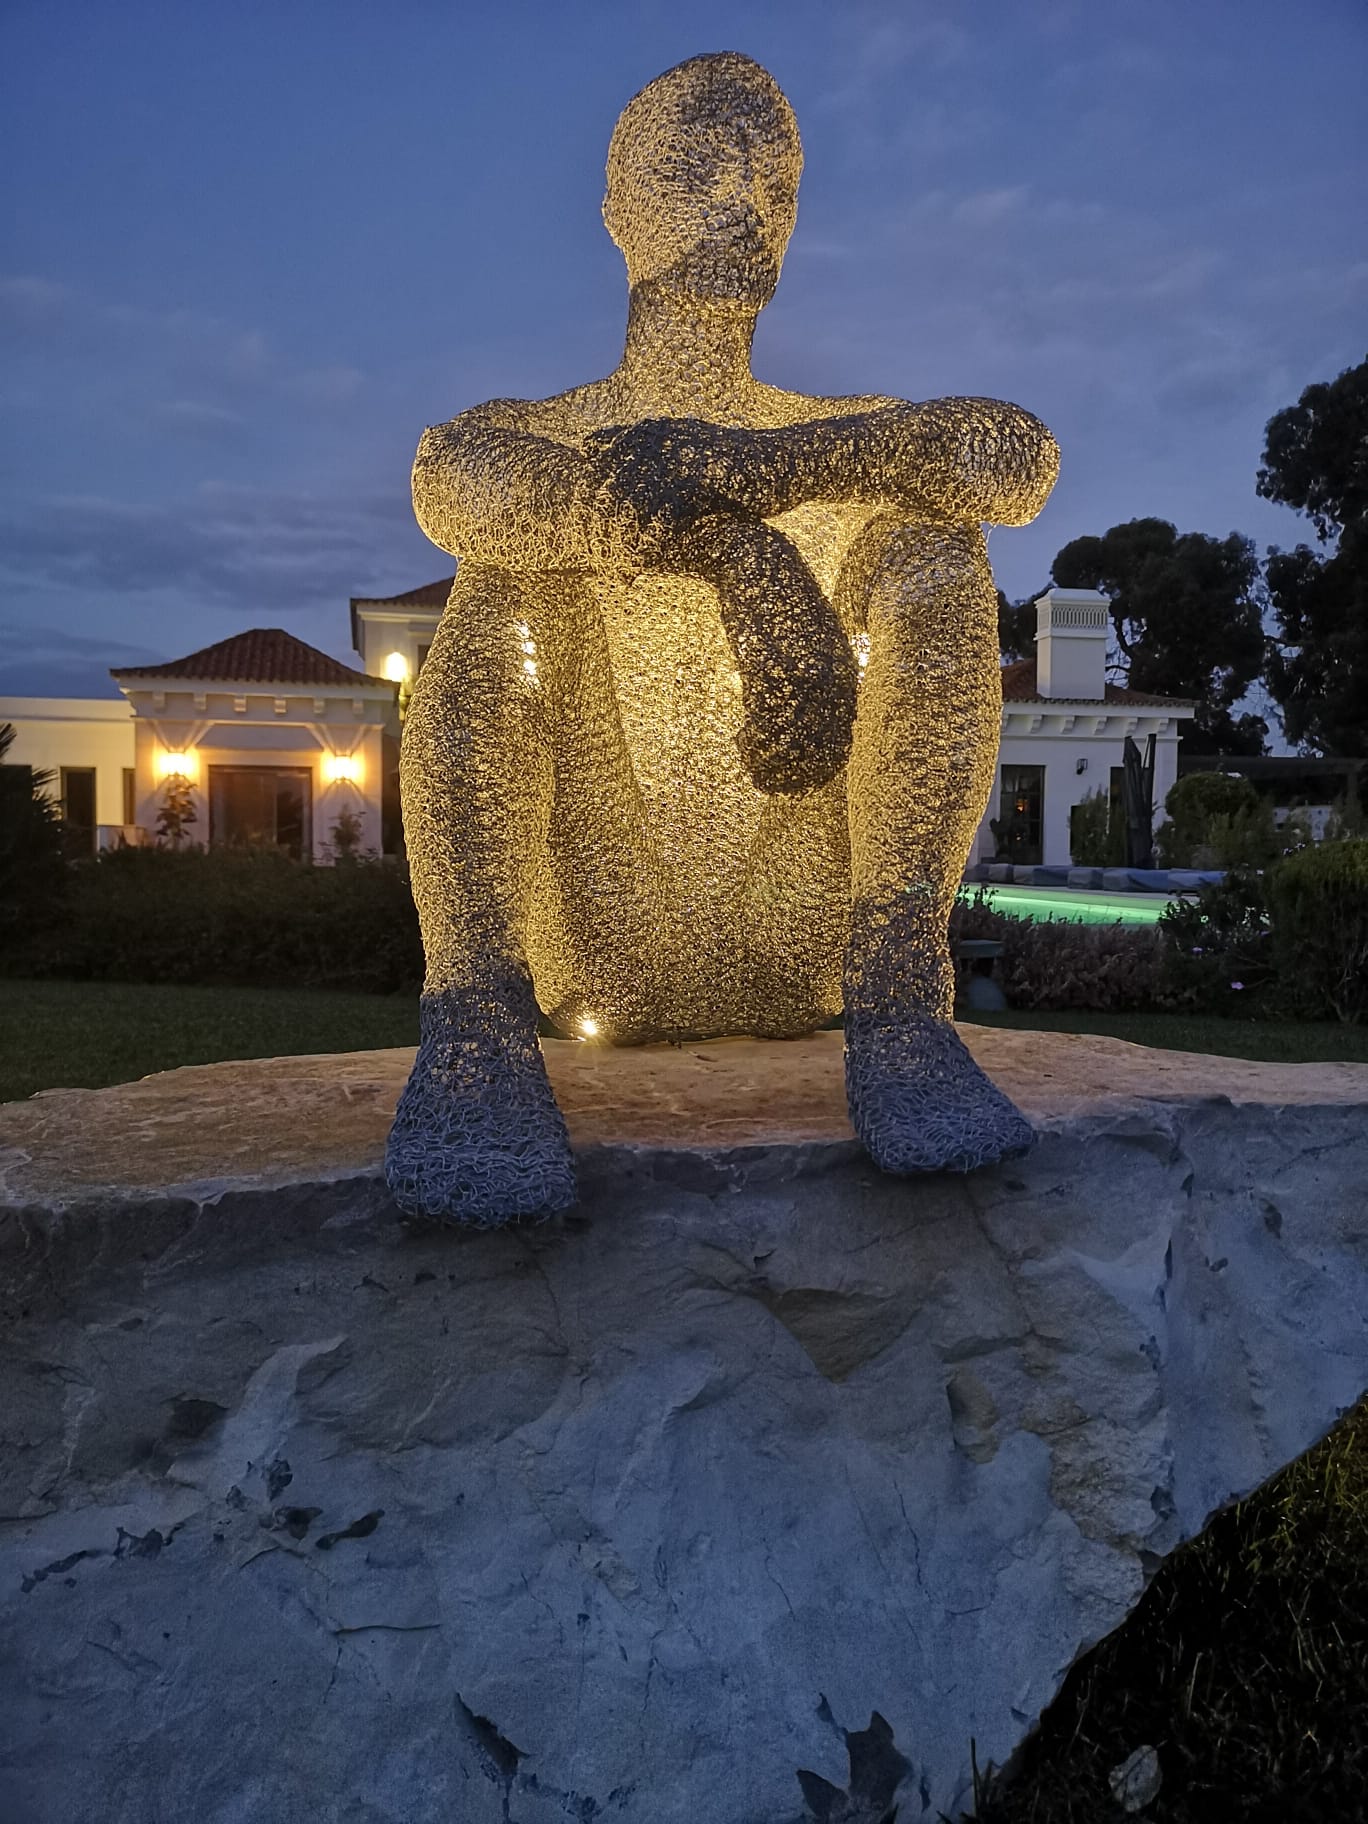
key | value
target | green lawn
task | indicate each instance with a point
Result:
(1268, 1041)
(87, 1034)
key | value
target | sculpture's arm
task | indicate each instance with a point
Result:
(490, 486)
(957, 460)
(961, 460)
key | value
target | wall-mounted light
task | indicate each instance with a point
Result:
(1080, 766)
(341, 768)
(397, 668)
(176, 764)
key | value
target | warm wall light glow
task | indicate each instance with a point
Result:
(176, 765)
(338, 768)
(396, 668)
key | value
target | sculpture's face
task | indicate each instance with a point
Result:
(703, 181)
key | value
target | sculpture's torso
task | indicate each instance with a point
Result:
(742, 896)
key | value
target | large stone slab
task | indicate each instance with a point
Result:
(633, 1516)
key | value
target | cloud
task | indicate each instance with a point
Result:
(29, 304)
(984, 208)
(197, 418)
(40, 660)
(257, 554)
(196, 357)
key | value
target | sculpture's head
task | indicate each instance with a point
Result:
(703, 180)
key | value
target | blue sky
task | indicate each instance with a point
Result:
(257, 248)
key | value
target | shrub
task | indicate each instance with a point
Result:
(229, 916)
(1063, 965)
(176, 812)
(1096, 838)
(1348, 821)
(1218, 954)
(32, 862)
(1319, 903)
(1215, 820)
(344, 839)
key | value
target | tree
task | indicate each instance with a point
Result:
(346, 833)
(1186, 613)
(1315, 460)
(32, 867)
(1016, 626)
(176, 812)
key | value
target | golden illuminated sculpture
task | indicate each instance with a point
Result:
(704, 736)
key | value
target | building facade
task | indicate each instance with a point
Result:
(274, 739)
(1064, 729)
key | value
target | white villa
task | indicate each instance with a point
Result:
(275, 738)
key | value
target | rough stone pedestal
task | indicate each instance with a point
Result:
(633, 1517)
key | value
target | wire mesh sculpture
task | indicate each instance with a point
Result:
(704, 736)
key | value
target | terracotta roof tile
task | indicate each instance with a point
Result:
(1020, 685)
(263, 655)
(427, 595)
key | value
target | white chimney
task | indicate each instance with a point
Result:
(1072, 630)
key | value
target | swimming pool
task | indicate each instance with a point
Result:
(1084, 907)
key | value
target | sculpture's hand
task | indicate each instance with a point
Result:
(660, 476)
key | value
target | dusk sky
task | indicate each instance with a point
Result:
(253, 249)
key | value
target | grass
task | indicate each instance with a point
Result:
(1266, 1041)
(87, 1034)
(1245, 1665)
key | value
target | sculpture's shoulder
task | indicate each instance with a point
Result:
(559, 420)
(775, 406)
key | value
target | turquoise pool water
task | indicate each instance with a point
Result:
(1086, 908)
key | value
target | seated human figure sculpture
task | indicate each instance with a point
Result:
(703, 738)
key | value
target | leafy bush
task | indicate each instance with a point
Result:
(229, 916)
(344, 839)
(1096, 838)
(1319, 903)
(1062, 965)
(1218, 953)
(1215, 820)
(32, 863)
(1348, 821)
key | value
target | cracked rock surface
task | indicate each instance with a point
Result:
(757, 1463)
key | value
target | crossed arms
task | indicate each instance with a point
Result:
(491, 486)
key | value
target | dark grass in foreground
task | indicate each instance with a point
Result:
(1245, 1665)
(1268, 1041)
(88, 1034)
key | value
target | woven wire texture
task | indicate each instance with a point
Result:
(704, 736)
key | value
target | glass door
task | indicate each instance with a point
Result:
(1019, 824)
(262, 807)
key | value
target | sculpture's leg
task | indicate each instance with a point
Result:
(920, 775)
(477, 1137)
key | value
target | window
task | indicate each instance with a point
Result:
(423, 652)
(78, 807)
(1018, 825)
(130, 795)
(262, 807)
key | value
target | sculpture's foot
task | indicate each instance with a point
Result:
(477, 1137)
(920, 1103)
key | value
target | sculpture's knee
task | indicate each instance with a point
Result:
(922, 571)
